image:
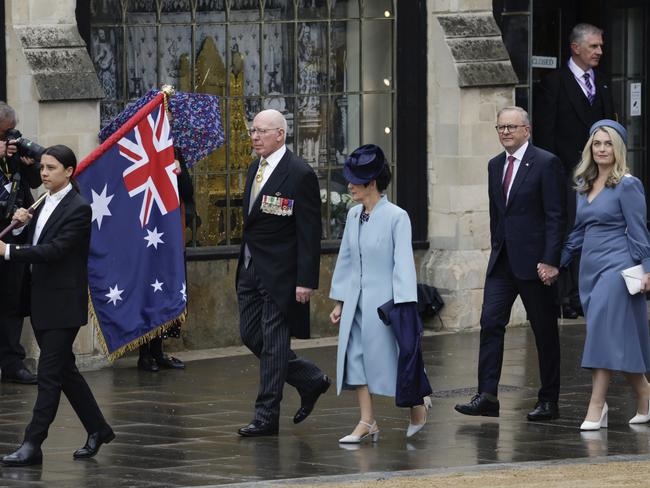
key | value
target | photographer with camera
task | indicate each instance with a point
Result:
(19, 171)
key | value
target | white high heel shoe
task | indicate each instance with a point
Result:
(601, 424)
(641, 419)
(415, 428)
(373, 433)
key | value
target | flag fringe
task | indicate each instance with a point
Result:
(134, 344)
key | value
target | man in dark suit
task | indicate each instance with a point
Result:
(23, 174)
(569, 101)
(278, 271)
(527, 221)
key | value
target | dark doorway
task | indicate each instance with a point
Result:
(626, 58)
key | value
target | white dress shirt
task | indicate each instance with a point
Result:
(579, 73)
(50, 203)
(518, 155)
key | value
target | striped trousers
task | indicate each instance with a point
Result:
(265, 332)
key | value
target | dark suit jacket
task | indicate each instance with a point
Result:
(285, 249)
(58, 281)
(563, 115)
(531, 225)
(12, 274)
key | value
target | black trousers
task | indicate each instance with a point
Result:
(264, 330)
(12, 353)
(501, 290)
(57, 372)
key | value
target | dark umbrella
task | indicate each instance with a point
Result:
(196, 123)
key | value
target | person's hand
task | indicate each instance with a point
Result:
(547, 273)
(3, 247)
(22, 215)
(335, 315)
(303, 294)
(27, 161)
(12, 148)
(645, 283)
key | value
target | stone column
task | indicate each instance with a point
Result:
(52, 85)
(470, 78)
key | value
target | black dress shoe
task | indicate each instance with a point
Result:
(568, 312)
(93, 443)
(257, 428)
(544, 411)
(148, 363)
(307, 402)
(479, 405)
(21, 376)
(29, 454)
(170, 362)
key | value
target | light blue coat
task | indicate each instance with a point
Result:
(388, 273)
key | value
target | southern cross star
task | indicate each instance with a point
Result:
(114, 294)
(184, 292)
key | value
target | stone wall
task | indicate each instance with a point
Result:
(469, 80)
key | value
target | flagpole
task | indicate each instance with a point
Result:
(14, 223)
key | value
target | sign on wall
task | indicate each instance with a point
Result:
(635, 99)
(548, 62)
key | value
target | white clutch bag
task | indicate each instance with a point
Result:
(633, 277)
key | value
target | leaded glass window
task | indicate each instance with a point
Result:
(327, 65)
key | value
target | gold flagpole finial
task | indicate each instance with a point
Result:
(168, 91)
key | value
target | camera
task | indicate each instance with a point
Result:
(25, 147)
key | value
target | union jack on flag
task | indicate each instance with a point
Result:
(136, 269)
(157, 181)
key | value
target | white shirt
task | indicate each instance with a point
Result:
(50, 203)
(518, 154)
(273, 159)
(579, 73)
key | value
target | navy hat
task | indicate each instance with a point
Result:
(612, 124)
(364, 164)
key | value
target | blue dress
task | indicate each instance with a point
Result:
(612, 233)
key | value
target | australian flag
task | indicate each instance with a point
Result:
(136, 270)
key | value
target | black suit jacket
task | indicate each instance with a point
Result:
(563, 115)
(285, 249)
(58, 280)
(531, 224)
(12, 274)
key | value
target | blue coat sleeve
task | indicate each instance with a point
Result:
(404, 276)
(343, 267)
(634, 210)
(573, 244)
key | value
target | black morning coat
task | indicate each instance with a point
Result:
(563, 115)
(285, 249)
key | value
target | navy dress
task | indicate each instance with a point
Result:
(612, 233)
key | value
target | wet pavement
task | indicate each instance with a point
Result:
(178, 428)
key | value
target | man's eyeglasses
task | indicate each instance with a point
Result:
(261, 131)
(511, 128)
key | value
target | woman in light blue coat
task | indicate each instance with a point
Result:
(375, 264)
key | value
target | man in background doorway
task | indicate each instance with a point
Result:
(569, 101)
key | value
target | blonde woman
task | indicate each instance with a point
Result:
(611, 233)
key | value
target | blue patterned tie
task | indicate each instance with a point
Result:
(590, 88)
